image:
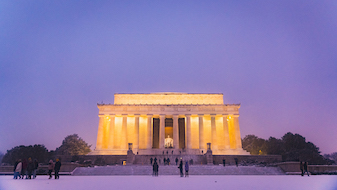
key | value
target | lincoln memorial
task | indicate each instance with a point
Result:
(181, 123)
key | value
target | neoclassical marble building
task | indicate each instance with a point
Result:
(180, 123)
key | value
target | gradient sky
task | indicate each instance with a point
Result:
(58, 59)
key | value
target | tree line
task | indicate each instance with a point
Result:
(292, 147)
(71, 145)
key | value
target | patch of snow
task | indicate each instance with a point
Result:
(215, 182)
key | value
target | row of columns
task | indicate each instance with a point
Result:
(109, 122)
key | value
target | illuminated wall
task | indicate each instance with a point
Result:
(220, 132)
(142, 132)
(231, 131)
(168, 98)
(207, 130)
(118, 132)
(195, 131)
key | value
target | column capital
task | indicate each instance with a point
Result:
(112, 115)
(201, 115)
(187, 115)
(136, 115)
(162, 115)
(124, 115)
(213, 115)
(149, 115)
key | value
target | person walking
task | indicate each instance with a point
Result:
(301, 168)
(57, 169)
(155, 168)
(30, 168)
(15, 164)
(181, 168)
(306, 168)
(236, 161)
(17, 170)
(24, 168)
(151, 160)
(36, 165)
(168, 161)
(186, 169)
(176, 161)
(50, 168)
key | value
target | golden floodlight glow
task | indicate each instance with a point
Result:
(190, 120)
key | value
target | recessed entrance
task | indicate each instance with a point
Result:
(181, 124)
(168, 133)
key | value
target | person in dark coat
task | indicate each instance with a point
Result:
(151, 160)
(155, 168)
(30, 168)
(302, 168)
(176, 161)
(36, 165)
(186, 169)
(168, 161)
(24, 168)
(236, 162)
(57, 168)
(181, 168)
(164, 161)
(306, 168)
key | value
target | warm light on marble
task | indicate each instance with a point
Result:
(205, 120)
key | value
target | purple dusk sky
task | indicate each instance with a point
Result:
(58, 59)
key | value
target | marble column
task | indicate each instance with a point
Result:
(201, 132)
(225, 130)
(136, 142)
(162, 132)
(124, 140)
(149, 129)
(111, 132)
(188, 132)
(237, 132)
(100, 132)
(175, 132)
(213, 132)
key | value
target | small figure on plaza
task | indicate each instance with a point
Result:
(306, 168)
(50, 168)
(36, 165)
(302, 168)
(155, 168)
(168, 161)
(181, 168)
(236, 162)
(151, 160)
(30, 168)
(186, 169)
(57, 169)
(176, 161)
(24, 168)
(17, 169)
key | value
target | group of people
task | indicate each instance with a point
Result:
(26, 168)
(155, 167)
(29, 168)
(304, 168)
(56, 167)
(181, 169)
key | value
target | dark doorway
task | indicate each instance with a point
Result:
(181, 123)
(155, 142)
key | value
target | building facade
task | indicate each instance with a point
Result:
(179, 123)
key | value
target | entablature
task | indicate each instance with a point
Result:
(225, 109)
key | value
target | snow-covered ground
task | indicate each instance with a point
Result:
(322, 182)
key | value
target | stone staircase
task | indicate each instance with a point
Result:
(173, 170)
